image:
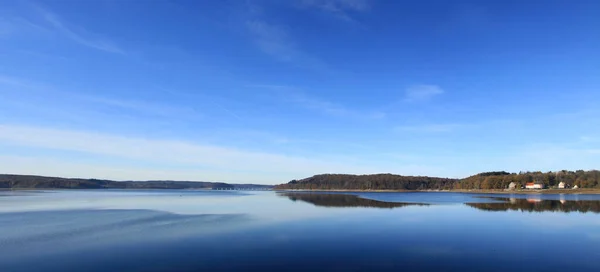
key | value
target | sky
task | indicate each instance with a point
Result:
(267, 91)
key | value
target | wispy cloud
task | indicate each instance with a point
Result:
(12, 26)
(77, 102)
(340, 9)
(275, 41)
(18, 82)
(298, 97)
(430, 128)
(218, 159)
(554, 156)
(139, 106)
(6, 27)
(422, 92)
(10, 81)
(589, 139)
(269, 86)
(80, 36)
(318, 104)
(333, 109)
(272, 40)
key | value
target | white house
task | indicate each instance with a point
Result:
(532, 185)
(512, 186)
(562, 185)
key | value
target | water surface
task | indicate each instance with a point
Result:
(177, 230)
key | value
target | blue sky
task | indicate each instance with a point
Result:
(269, 91)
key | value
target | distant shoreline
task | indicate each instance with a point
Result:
(524, 192)
(104, 189)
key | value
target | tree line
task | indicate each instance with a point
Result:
(41, 182)
(369, 182)
(501, 180)
(482, 181)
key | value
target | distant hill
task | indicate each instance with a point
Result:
(369, 182)
(41, 182)
(482, 181)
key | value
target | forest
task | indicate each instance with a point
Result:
(41, 182)
(369, 182)
(501, 180)
(481, 181)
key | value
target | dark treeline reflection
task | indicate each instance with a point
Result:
(343, 200)
(538, 205)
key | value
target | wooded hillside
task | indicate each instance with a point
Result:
(40, 182)
(482, 181)
(369, 182)
(501, 180)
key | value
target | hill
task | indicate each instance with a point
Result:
(41, 182)
(501, 180)
(483, 181)
(369, 182)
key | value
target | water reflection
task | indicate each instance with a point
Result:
(536, 204)
(209, 231)
(530, 203)
(344, 200)
(73, 229)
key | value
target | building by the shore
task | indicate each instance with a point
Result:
(562, 185)
(532, 185)
(512, 186)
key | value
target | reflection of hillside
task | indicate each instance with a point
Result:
(343, 200)
(539, 205)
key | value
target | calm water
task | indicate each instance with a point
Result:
(258, 231)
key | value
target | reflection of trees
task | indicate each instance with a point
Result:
(343, 200)
(538, 205)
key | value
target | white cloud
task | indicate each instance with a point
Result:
(77, 102)
(80, 36)
(318, 104)
(223, 163)
(422, 92)
(6, 28)
(144, 107)
(13, 26)
(333, 109)
(430, 128)
(274, 40)
(552, 157)
(11, 81)
(302, 99)
(589, 139)
(341, 9)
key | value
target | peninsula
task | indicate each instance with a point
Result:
(588, 181)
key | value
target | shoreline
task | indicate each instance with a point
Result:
(490, 191)
(474, 191)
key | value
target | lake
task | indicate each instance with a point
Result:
(185, 230)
